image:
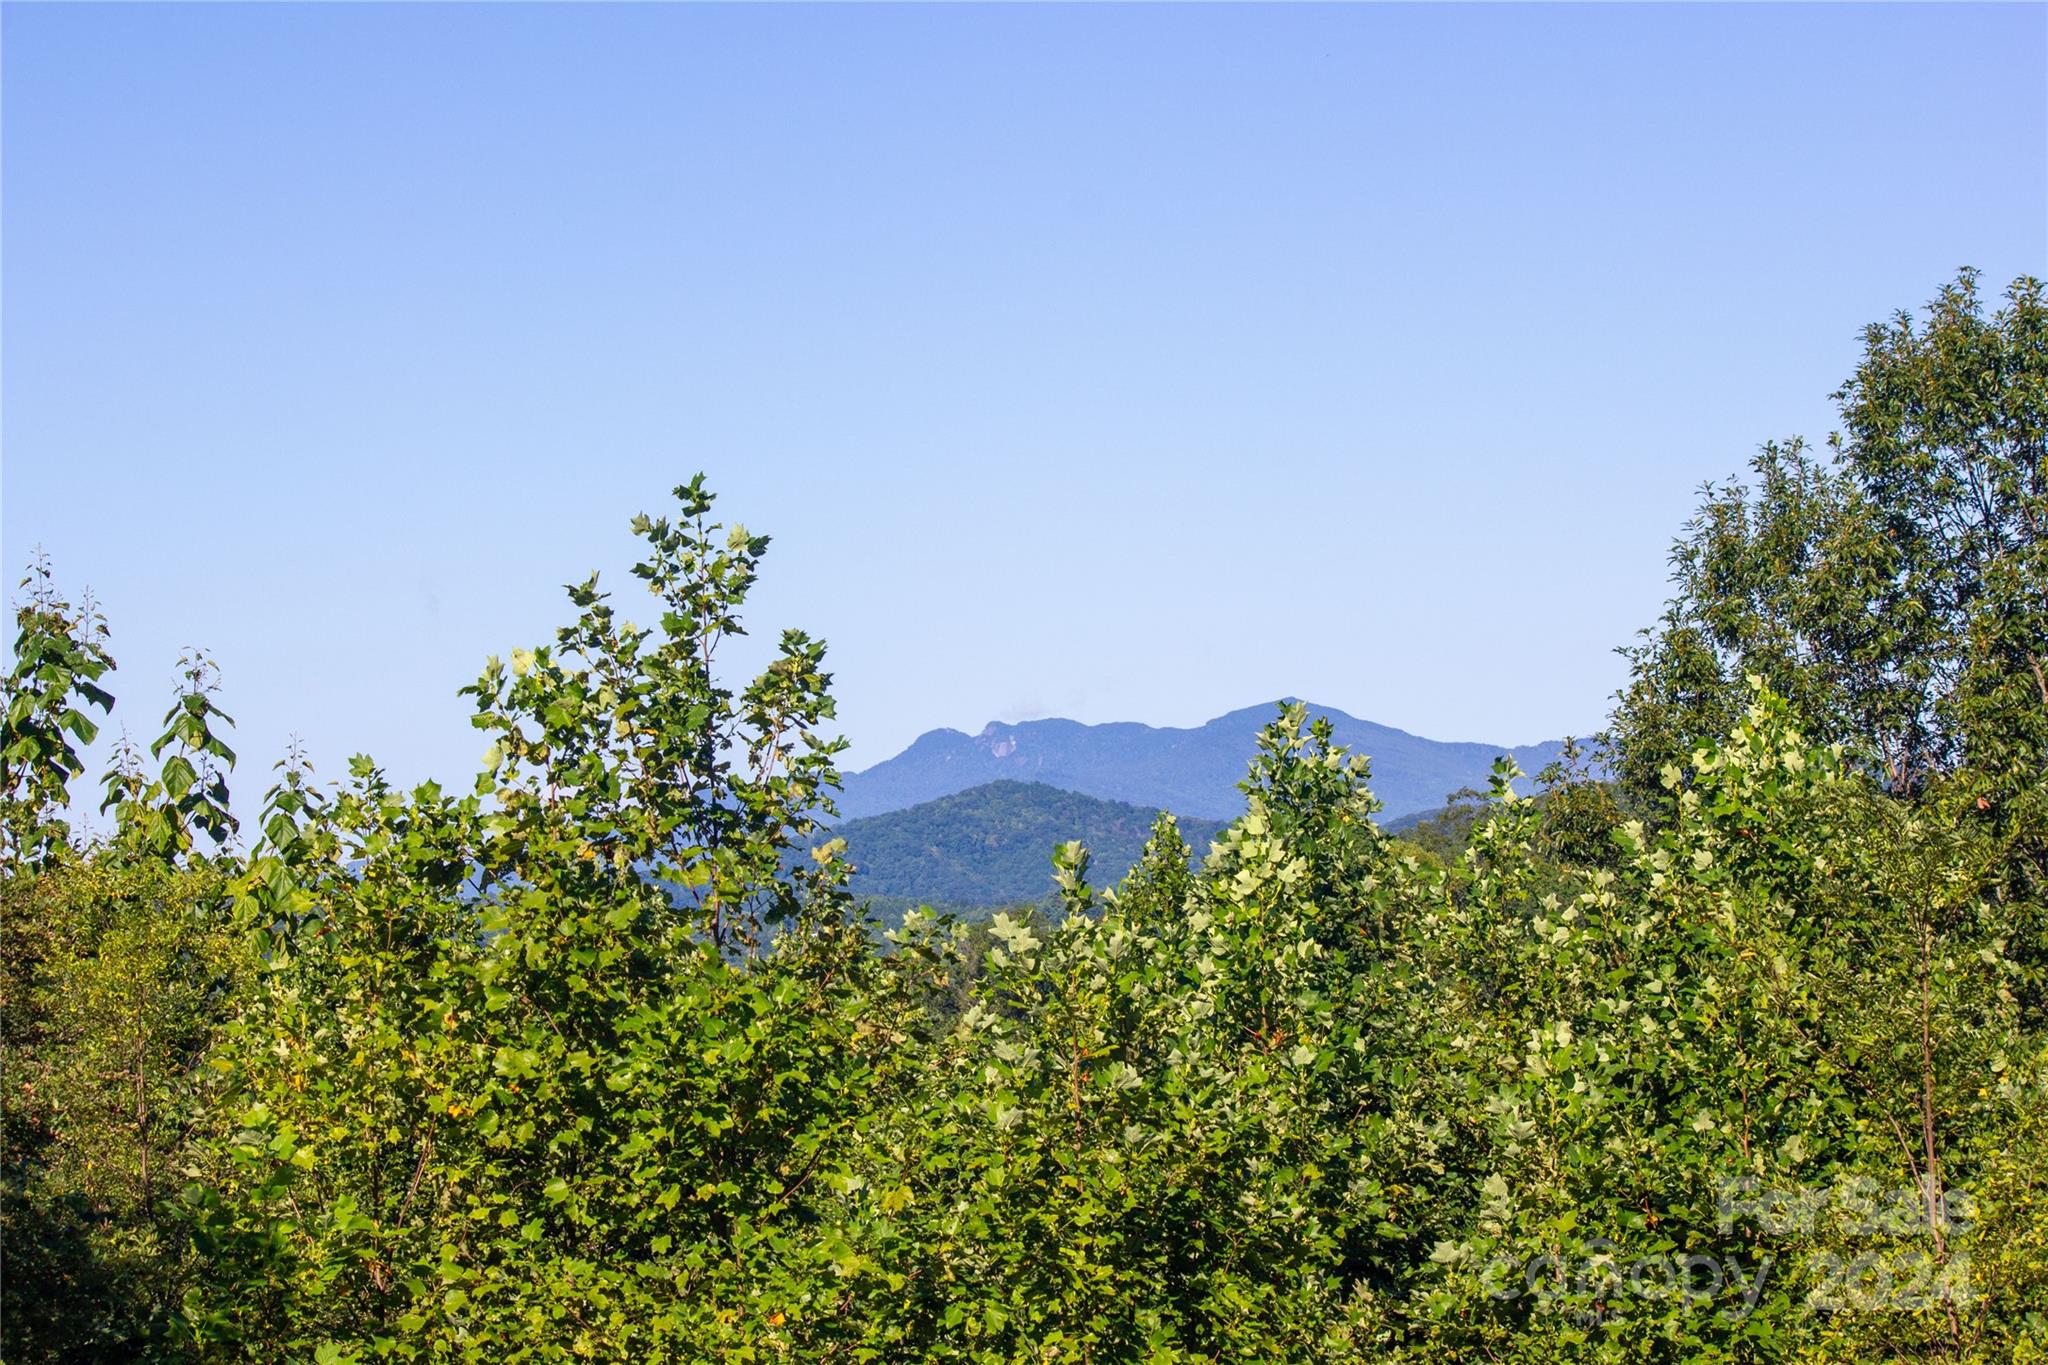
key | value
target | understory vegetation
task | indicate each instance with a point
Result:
(1727, 1047)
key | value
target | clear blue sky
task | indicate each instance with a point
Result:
(1118, 363)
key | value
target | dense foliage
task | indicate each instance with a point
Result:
(1743, 1061)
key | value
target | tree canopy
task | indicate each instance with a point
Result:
(1739, 1056)
(1895, 589)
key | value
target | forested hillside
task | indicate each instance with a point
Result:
(1737, 1055)
(992, 845)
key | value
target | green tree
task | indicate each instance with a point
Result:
(1720, 1099)
(117, 976)
(570, 1066)
(1894, 591)
(117, 970)
(60, 654)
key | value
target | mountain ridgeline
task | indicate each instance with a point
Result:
(971, 821)
(1191, 772)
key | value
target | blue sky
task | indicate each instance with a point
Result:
(1117, 363)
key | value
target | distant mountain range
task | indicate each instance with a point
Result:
(1192, 772)
(992, 844)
